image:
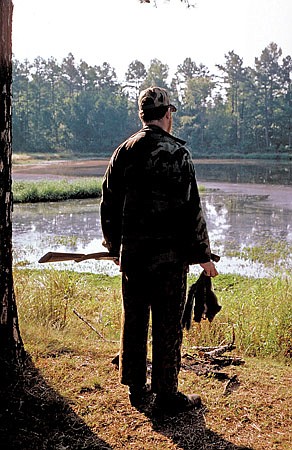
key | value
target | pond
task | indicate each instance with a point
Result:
(238, 215)
(219, 170)
(245, 171)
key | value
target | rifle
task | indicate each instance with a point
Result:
(77, 257)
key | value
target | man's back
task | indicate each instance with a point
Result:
(155, 174)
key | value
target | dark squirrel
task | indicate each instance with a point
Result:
(202, 299)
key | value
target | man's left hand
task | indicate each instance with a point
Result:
(209, 268)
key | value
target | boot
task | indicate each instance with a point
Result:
(139, 395)
(173, 403)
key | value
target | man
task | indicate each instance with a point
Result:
(152, 221)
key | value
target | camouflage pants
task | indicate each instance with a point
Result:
(161, 292)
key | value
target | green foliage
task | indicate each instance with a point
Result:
(52, 190)
(156, 75)
(246, 111)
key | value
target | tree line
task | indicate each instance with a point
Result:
(73, 106)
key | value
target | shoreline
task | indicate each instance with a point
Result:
(274, 194)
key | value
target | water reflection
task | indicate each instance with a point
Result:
(43, 224)
(245, 219)
(234, 221)
(245, 171)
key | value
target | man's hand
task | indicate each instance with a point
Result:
(210, 269)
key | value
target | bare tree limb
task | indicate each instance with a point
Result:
(186, 2)
(91, 326)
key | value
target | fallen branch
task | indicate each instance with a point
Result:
(204, 349)
(210, 360)
(89, 324)
(202, 368)
(213, 352)
(218, 351)
(210, 367)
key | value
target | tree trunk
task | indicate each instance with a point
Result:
(11, 346)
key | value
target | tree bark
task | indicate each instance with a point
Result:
(11, 345)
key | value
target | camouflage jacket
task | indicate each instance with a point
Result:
(150, 210)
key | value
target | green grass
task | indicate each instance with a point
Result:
(258, 311)
(58, 190)
(55, 190)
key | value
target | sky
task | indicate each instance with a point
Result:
(121, 31)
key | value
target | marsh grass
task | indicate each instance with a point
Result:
(56, 190)
(273, 253)
(258, 311)
(46, 299)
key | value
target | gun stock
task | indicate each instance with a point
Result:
(77, 257)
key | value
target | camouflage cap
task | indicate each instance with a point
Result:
(154, 97)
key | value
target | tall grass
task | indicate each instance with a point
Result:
(258, 310)
(46, 299)
(56, 190)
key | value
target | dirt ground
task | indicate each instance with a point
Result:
(59, 169)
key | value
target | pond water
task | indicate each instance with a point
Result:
(219, 170)
(238, 215)
(245, 171)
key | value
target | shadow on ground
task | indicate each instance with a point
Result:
(35, 417)
(188, 431)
